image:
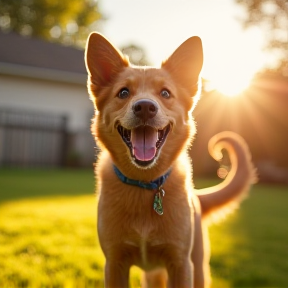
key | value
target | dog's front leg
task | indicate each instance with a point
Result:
(180, 276)
(116, 274)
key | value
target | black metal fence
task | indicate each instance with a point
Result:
(32, 139)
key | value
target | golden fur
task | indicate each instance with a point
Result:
(173, 248)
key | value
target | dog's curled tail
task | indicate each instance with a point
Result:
(219, 200)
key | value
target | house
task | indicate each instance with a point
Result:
(45, 111)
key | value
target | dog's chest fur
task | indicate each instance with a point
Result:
(134, 227)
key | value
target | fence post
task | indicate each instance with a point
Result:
(64, 141)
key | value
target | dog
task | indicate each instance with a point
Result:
(149, 213)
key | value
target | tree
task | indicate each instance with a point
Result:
(66, 21)
(136, 55)
(272, 16)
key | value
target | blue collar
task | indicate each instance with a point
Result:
(153, 185)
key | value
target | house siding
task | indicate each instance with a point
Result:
(59, 99)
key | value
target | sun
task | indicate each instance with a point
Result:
(231, 80)
(231, 85)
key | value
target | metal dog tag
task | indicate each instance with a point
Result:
(157, 204)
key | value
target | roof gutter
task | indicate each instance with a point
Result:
(42, 73)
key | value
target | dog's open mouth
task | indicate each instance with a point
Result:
(144, 142)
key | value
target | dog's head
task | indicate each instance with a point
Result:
(143, 114)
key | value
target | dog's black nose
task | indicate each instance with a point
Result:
(145, 109)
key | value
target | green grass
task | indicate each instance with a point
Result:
(250, 248)
(17, 184)
(48, 234)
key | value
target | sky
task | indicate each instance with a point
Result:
(160, 26)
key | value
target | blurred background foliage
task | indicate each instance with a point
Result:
(70, 22)
(66, 21)
(272, 18)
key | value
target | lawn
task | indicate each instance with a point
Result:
(48, 234)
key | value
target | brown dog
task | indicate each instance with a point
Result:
(149, 213)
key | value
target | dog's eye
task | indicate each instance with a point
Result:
(165, 94)
(124, 93)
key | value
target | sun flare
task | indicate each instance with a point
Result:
(231, 80)
(231, 86)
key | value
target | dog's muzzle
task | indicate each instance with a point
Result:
(144, 140)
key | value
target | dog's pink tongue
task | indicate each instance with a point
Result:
(144, 140)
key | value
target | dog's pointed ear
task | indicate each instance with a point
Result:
(103, 60)
(186, 62)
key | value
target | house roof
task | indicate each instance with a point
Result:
(32, 57)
